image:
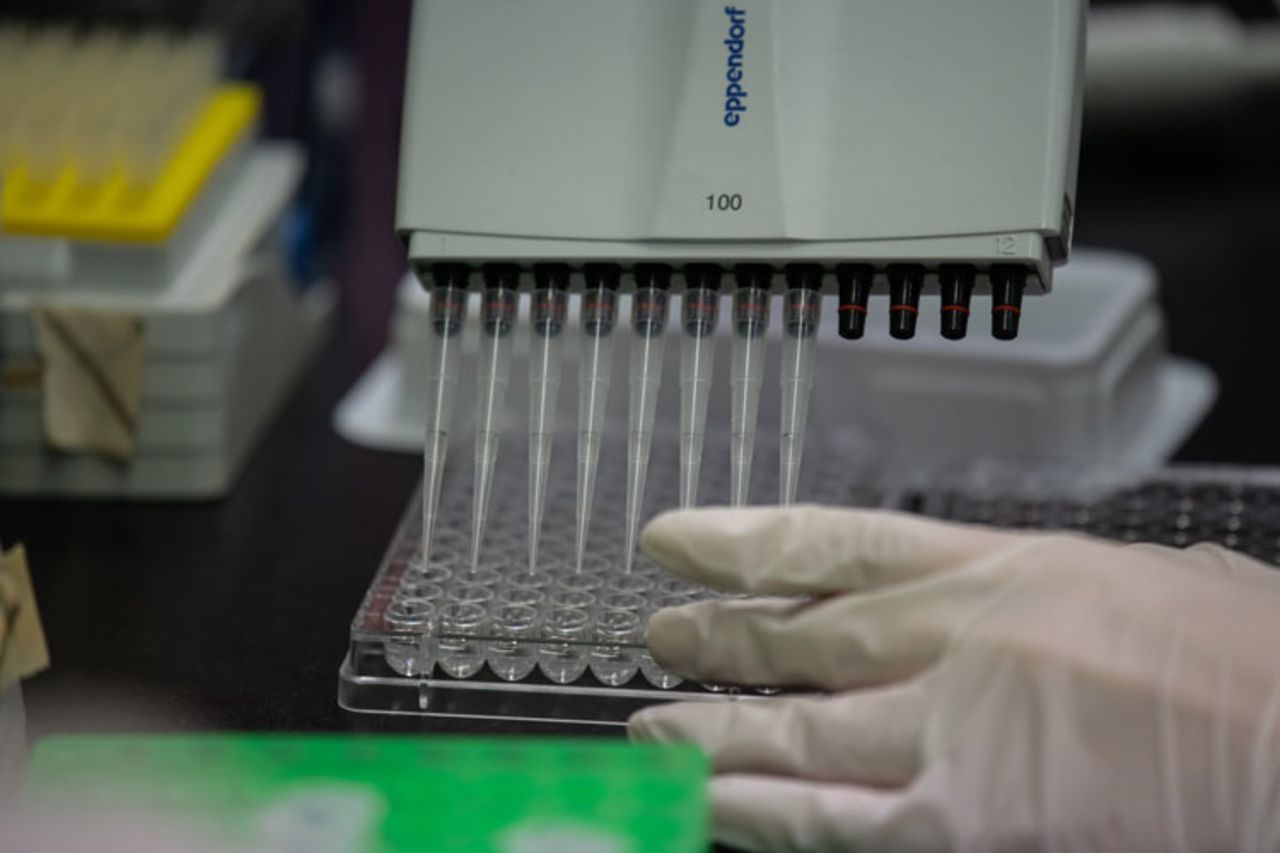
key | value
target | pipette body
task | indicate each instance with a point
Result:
(547, 314)
(448, 311)
(750, 323)
(800, 315)
(595, 369)
(700, 310)
(648, 323)
(497, 319)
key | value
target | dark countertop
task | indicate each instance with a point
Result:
(234, 614)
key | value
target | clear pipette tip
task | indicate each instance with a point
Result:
(539, 467)
(586, 494)
(637, 470)
(550, 300)
(700, 309)
(599, 315)
(448, 311)
(433, 458)
(648, 321)
(750, 324)
(497, 317)
(800, 317)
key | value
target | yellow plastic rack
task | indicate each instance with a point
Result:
(118, 209)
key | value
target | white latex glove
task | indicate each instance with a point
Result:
(991, 690)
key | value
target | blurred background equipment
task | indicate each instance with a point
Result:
(149, 320)
(350, 793)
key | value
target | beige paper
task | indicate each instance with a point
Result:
(92, 378)
(22, 648)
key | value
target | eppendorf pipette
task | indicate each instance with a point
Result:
(700, 308)
(750, 322)
(448, 310)
(497, 318)
(595, 367)
(800, 314)
(550, 298)
(648, 322)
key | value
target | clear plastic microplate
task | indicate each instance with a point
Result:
(555, 643)
(559, 645)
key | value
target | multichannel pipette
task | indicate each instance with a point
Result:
(497, 316)
(750, 322)
(550, 298)
(595, 368)
(448, 310)
(800, 314)
(648, 322)
(700, 309)
(588, 176)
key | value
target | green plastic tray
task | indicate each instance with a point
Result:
(388, 793)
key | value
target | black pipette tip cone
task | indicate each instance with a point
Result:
(1007, 284)
(855, 290)
(501, 275)
(450, 275)
(602, 275)
(702, 275)
(653, 275)
(758, 276)
(905, 283)
(956, 284)
(551, 275)
(808, 276)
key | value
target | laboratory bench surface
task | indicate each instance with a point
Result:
(234, 614)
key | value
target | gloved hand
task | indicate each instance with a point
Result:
(990, 690)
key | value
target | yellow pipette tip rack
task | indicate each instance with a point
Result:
(119, 208)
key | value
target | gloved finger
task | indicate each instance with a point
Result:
(1215, 559)
(840, 643)
(764, 813)
(811, 550)
(871, 737)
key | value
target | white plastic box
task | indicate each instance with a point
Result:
(223, 343)
(1089, 380)
(59, 265)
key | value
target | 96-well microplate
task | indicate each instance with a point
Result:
(554, 643)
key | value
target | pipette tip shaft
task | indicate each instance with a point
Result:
(801, 311)
(700, 312)
(648, 319)
(599, 316)
(548, 315)
(448, 309)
